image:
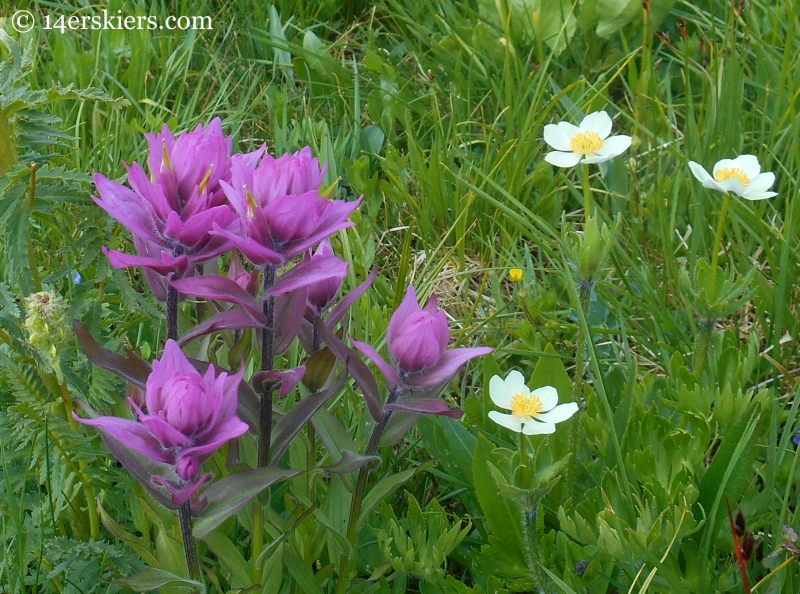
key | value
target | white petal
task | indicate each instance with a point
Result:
(597, 122)
(732, 184)
(556, 137)
(699, 172)
(560, 413)
(597, 158)
(508, 421)
(760, 183)
(759, 195)
(703, 176)
(748, 164)
(560, 159)
(499, 393)
(548, 395)
(616, 145)
(536, 428)
(515, 384)
(569, 129)
(723, 164)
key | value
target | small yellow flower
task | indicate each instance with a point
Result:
(515, 274)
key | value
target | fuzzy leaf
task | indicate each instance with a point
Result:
(229, 495)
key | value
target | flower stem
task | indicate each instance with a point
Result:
(88, 489)
(172, 313)
(723, 214)
(532, 552)
(34, 266)
(358, 496)
(312, 432)
(185, 509)
(587, 193)
(585, 296)
(189, 546)
(265, 416)
(267, 364)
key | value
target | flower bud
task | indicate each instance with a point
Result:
(589, 250)
(187, 468)
(185, 402)
(417, 337)
(45, 325)
(322, 293)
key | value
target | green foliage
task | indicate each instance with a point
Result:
(434, 111)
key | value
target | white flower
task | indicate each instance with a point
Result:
(741, 175)
(587, 143)
(531, 412)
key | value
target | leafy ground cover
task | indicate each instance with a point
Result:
(669, 317)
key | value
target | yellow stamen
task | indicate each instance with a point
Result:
(586, 143)
(204, 183)
(732, 172)
(251, 203)
(165, 157)
(525, 406)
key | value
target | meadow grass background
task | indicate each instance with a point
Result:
(434, 112)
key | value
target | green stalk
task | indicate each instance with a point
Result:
(83, 477)
(530, 510)
(32, 264)
(358, 496)
(718, 243)
(587, 193)
(585, 296)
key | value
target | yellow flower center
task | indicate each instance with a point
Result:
(722, 174)
(586, 143)
(525, 406)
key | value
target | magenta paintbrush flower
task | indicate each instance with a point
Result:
(281, 212)
(421, 364)
(189, 416)
(170, 215)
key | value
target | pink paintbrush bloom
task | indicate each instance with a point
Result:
(281, 212)
(189, 416)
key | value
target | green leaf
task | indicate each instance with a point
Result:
(503, 515)
(385, 486)
(550, 371)
(153, 579)
(727, 474)
(230, 556)
(229, 495)
(136, 543)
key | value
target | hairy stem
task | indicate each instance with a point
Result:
(265, 416)
(185, 510)
(585, 296)
(532, 553)
(34, 266)
(267, 364)
(189, 545)
(587, 194)
(358, 496)
(723, 215)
